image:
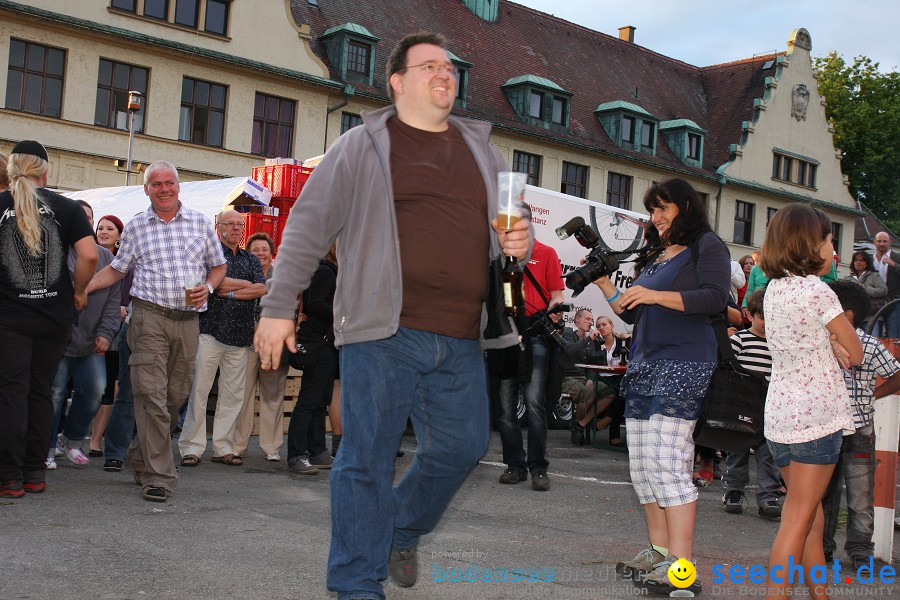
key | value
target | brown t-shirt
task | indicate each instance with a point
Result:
(441, 206)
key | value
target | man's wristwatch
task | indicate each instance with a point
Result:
(211, 289)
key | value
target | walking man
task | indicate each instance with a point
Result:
(162, 244)
(410, 198)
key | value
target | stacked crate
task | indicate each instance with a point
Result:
(291, 391)
(286, 181)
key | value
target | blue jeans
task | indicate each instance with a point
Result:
(737, 473)
(892, 321)
(536, 403)
(437, 381)
(856, 469)
(88, 375)
(822, 451)
(120, 429)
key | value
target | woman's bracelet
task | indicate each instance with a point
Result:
(613, 297)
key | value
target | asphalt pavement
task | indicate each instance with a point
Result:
(261, 531)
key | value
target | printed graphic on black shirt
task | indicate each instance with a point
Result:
(32, 277)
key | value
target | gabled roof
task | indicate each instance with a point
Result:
(534, 80)
(595, 67)
(621, 105)
(351, 28)
(676, 123)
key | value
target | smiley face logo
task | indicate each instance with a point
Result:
(682, 573)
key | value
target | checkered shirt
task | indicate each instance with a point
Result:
(860, 381)
(161, 252)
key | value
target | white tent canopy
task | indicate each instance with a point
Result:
(206, 197)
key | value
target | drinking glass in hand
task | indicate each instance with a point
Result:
(511, 207)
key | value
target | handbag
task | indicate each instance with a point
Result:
(309, 344)
(733, 413)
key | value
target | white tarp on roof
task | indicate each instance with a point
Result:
(206, 197)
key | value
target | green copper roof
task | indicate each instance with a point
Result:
(535, 80)
(676, 123)
(350, 28)
(458, 60)
(621, 105)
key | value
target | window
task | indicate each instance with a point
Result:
(693, 146)
(628, 129)
(574, 179)
(461, 84)
(186, 13)
(35, 79)
(743, 223)
(158, 9)
(523, 162)
(535, 104)
(349, 121)
(647, 134)
(618, 190)
(770, 212)
(804, 174)
(558, 115)
(114, 81)
(358, 58)
(128, 5)
(273, 126)
(836, 236)
(202, 118)
(216, 17)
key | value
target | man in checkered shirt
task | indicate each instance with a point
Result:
(162, 245)
(856, 465)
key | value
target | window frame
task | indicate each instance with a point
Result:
(133, 9)
(227, 6)
(264, 123)
(744, 220)
(837, 230)
(632, 128)
(563, 103)
(367, 48)
(181, 3)
(26, 70)
(193, 106)
(691, 137)
(783, 170)
(770, 214)
(651, 137)
(111, 105)
(350, 120)
(528, 163)
(573, 186)
(165, 16)
(615, 194)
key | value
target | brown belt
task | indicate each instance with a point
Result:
(169, 313)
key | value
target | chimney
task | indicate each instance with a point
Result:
(627, 33)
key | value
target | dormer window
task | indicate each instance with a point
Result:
(629, 125)
(462, 79)
(351, 50)
(686, 140)
(539, 101)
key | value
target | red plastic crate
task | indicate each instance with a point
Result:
(270, 224)
(283, 205)
(285, 181)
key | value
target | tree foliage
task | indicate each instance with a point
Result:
(863, 104)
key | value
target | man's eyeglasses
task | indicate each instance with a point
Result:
(239, 225)
(432, 67)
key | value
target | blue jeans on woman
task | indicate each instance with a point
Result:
(437, 381)
(120, 429)
(88, 376)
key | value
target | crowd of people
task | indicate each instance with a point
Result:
(139, 318)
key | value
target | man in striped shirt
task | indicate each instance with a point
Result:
(856, 465)
(752, 353)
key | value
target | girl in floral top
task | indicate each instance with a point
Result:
(807, 407)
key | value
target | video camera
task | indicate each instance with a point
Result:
(597, 263)
(542, 322)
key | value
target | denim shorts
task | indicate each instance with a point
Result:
(823, 451)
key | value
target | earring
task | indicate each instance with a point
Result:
(118, 243)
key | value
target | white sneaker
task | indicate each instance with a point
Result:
(273, 457)
(76, 456)
(50, 463)
(58, 453)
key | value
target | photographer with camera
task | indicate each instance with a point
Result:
(543, 290)
(683, 278)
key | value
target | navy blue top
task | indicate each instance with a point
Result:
(231, 320)
(674, 352)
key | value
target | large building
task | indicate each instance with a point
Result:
(227, 82)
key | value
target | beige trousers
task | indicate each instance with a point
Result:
(162, 366)
(271, 409)
(231, 362)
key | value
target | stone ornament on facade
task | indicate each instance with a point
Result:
(799, 101)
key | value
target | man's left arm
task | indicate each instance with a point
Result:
(255, 287)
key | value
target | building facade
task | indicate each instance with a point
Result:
(227, 82)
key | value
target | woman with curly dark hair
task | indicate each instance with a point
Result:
(862, 271)
(684, 277)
